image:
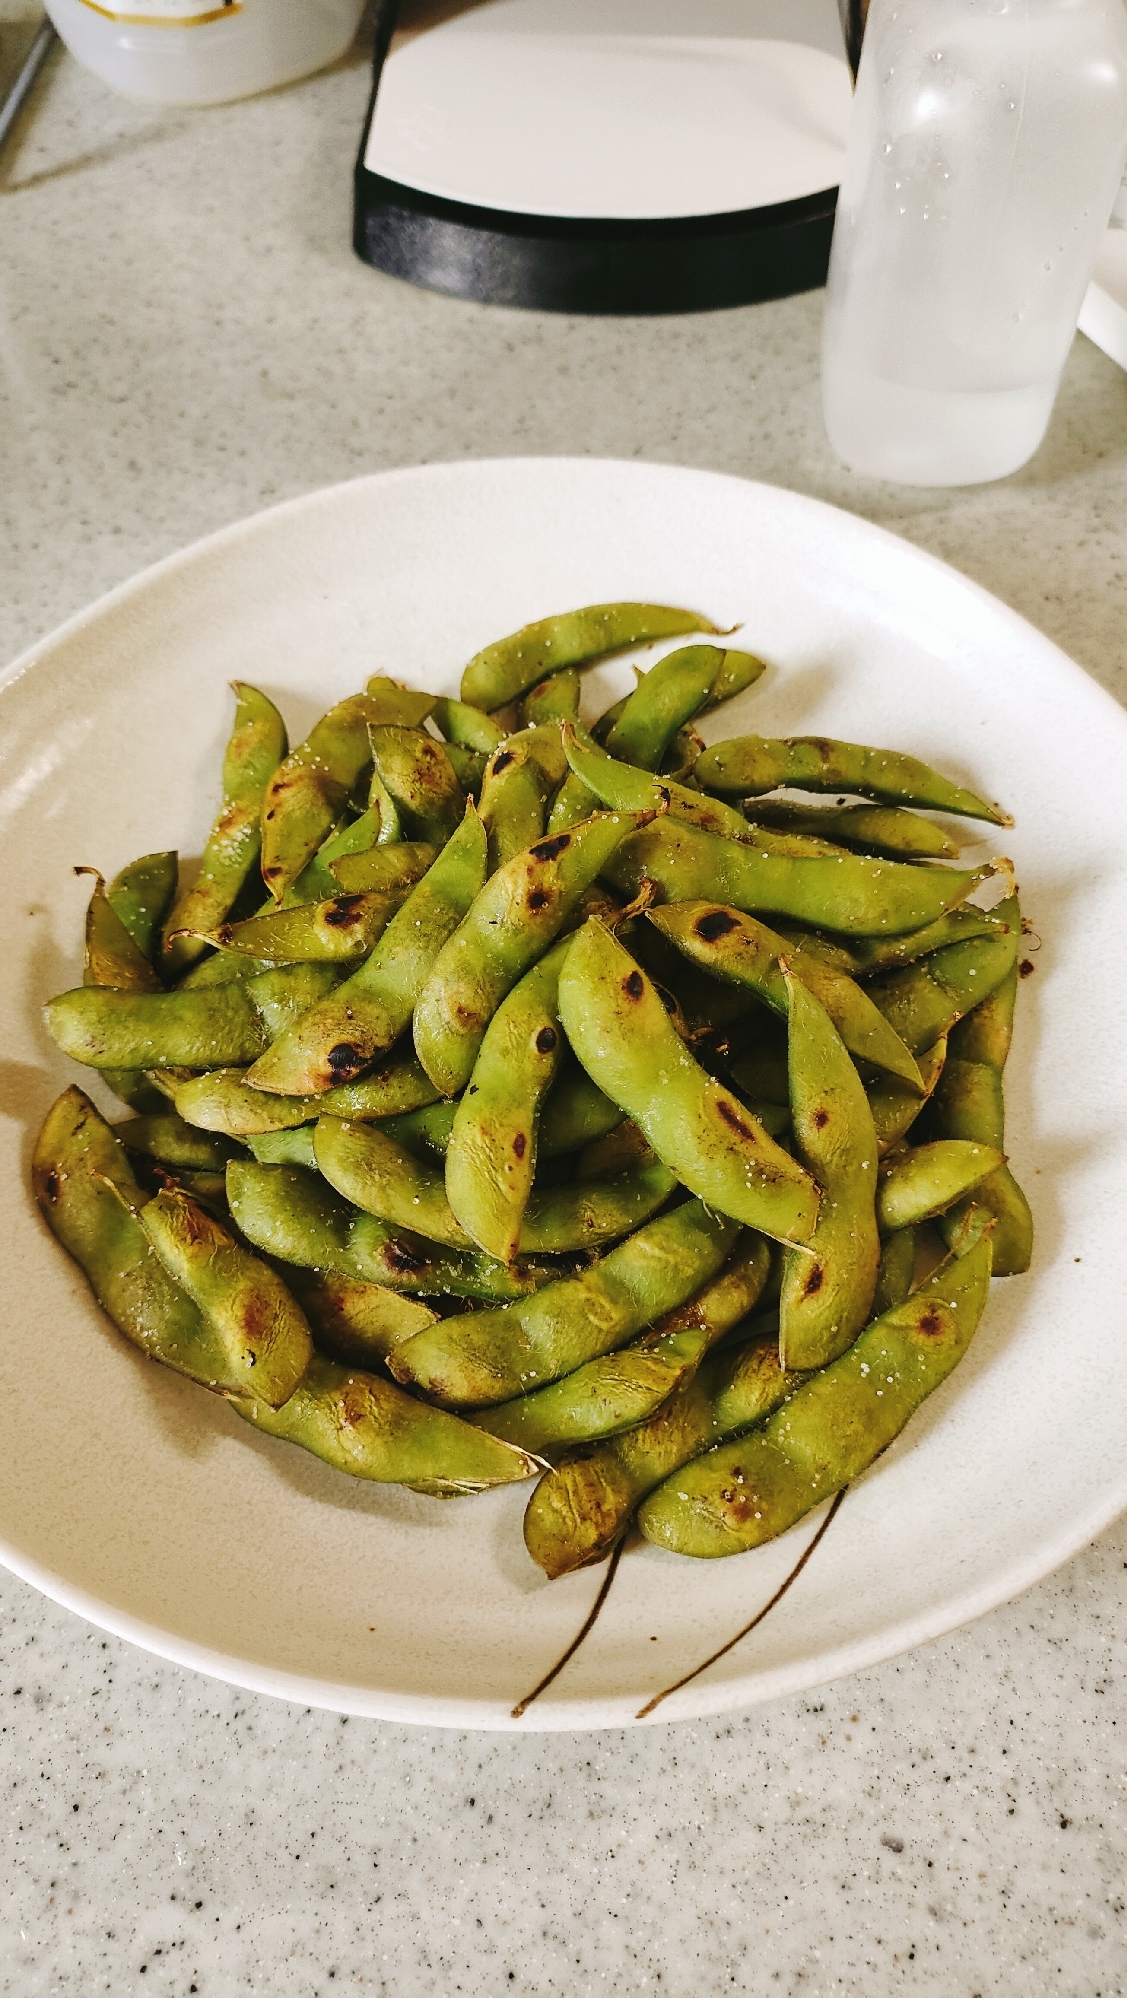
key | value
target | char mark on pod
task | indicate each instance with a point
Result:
(551, 849)
(717, 923)
(345, 912)
(633, 985)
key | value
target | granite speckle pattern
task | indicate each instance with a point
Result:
(184, 338)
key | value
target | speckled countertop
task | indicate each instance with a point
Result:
(184, 338)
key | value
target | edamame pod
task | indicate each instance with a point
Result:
(467, 726)
(382, 870)
(222, 1101)
(141, 894)
(847, 893)
(491, 1158)
(315, 883)
(575, 1112)
(895, 1106)
(623, 788)
(925, 999)
(164, 1136)
(741, 951)
(214, 1027)
(752, 764)
(508, 668)
(518, 913)
(256, 747)
(830, 1430)
(828, 1284)
(582, 1508)
(380, 1177)
(89, 1197)
(419, 777)
(468, 768)
(668, 696)
(311, 786)
(333, 932)
(112, 958)
(424, 1133)
(572, 804)
(356, 1323)
(492, 1356)
(879, 829)
(618, 1027)
(897, 1269)
(512, 802)
(368, 1428)
(285, 1147)
(554, 699)
(601, 1398)
(866, 956)
(336, 1042)
(969, 1105)
(260, 1329)
(917, 1184)
(295, 1215)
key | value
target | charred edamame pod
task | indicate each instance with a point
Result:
(508, 668)
(751, 764)
(830, 1430)
(419, 777)
(256, 747)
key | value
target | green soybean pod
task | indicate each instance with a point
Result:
(512, 801)
(505, 670)
(255, 749)
(260, 1329)
(846, 893)
(668, 696)
(832, 1428)
(572, 804)
(487, 1357)
(583, 1507)
(219, 1026)
(424, 1133)
(895, 1105)
(165, 1137)
(896, 1272)
(337, 931)
(88, 1196)
(316, 883)
(284, 1147)
(742, 951)
(969, 1106)
(353, 1322)
(601, 1398)
(368, 1168)
(468, 727)
(828, 1283)
(220, 1100)
(368, 1428)
(863, 957)
(141, 894)
(382, 870)
(555, 699)
(511, 923)
(752, 764)
(925, 999)
(491, 1158)
(738, 671)
(295, 1215)
(887, 830)
(112, 958)
(468, 767)
(574, 1112)
(419, 777)
(621, 787)
(919, 1183)
(336, 1042)
(617, 1025)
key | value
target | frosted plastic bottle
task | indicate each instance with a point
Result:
(203, 51)
(987, 145)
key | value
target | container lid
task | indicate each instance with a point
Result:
(637, 110)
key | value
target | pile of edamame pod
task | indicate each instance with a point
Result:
(573, 1107)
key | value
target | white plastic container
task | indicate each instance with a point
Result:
(986, 149)
(204, 51)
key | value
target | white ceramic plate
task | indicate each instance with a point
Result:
(141, 1502)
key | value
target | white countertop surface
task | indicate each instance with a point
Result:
(186, 337)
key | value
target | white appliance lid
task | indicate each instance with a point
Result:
(618, 109)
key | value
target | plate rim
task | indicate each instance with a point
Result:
(594, 1712)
